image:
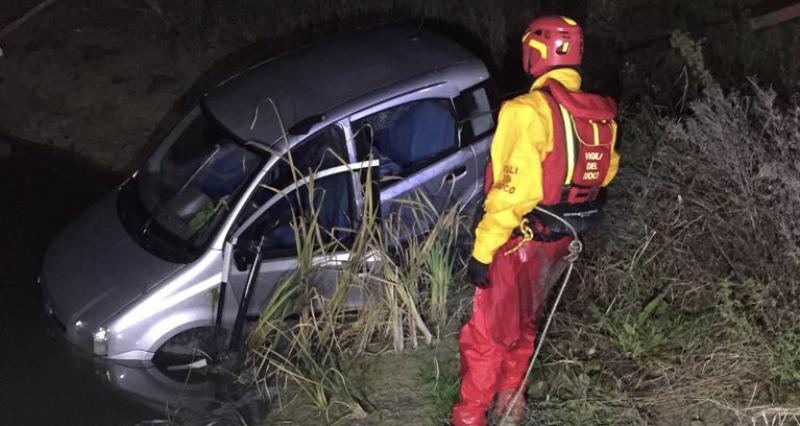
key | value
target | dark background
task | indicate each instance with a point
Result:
(88, 86)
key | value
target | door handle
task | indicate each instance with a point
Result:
(456, 174)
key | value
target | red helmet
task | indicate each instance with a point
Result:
(549, 42)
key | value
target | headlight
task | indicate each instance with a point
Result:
(100, 342)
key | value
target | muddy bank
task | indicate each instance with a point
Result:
(93, 80)
(105, 79)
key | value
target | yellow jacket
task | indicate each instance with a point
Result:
(522, 141)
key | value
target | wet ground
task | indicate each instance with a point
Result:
(43, 379)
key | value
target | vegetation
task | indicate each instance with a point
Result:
(401, 277)
(682, 312)
(685, 313)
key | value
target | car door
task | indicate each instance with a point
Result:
(421, 163)
(316, 179)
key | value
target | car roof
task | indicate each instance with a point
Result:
(318, 78)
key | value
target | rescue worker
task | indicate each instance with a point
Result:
(553, 149)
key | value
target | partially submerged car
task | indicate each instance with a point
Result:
(405, 108)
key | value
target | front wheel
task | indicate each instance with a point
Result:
(187, 351)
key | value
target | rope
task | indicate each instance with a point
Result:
(575, 248)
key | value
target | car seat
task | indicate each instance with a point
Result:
(225, 171)
(332, 199)
(426, 129)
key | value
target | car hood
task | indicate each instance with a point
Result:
(93, 268)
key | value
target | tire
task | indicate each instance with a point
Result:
(188, 351)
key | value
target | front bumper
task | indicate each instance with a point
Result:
(77, 334)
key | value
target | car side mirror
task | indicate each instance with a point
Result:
(243, 258)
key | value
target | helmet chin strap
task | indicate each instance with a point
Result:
(530, 65)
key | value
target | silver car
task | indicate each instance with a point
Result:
(145, 264)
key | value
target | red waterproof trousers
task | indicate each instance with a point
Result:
(498, 341)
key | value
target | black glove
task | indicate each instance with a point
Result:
(478, 273)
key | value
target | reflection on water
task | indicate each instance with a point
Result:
(43, 379)
(205, 396)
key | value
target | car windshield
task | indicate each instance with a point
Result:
(187, 187)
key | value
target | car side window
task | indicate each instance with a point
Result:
(322, 151)
(476, 114)
(407, 137)
(329, 199)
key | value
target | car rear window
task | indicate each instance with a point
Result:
(476, 114)
(407, 137)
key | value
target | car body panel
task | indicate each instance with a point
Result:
(184, 301)
(98, 270)
(381, 68)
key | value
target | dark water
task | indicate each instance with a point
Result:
(43, 380)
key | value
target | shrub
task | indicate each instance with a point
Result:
(688, 297)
